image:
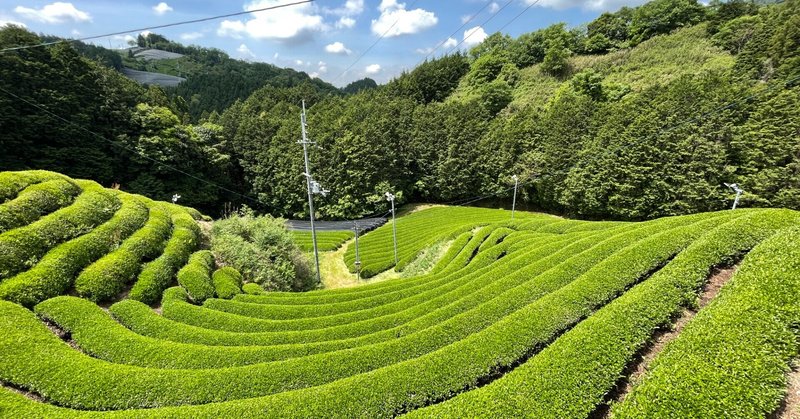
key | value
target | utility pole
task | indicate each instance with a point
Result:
(514, 202)
(357, 263)
(390, 198)
(738, 191)
(312, 186)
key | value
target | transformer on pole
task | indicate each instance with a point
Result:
(390, 198)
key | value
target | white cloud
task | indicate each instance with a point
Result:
(191, 36)
(145, 33)
(4, 22)
(232, 28)
(390, 4)
(289, 24)
(494, 7)
(322, 67)
(373, 68)
(244, 51)
(337, 48)
(466, 18)
(350, 8)
(449, 43)
(395, 20)
(345, 22)
(162, 8)
(595, 5)
(57, 12)
(275, 56)
(75, 32)
(121, 41)
(474, 36)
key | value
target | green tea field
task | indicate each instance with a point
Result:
(112, 305)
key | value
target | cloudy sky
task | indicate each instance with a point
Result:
(324, 38)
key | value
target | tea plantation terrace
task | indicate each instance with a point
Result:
(538, 317)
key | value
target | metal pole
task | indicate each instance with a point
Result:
(514, 202)
(736, 201)
(305, 143)
(394, 232)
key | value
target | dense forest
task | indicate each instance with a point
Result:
(644, 112)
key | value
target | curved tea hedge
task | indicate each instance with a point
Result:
(417, 231)
(539, 317)
(326, 240)
(74, 236)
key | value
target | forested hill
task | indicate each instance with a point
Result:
(644, 112)
(214, 80)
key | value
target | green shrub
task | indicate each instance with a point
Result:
(262, 249)
(326, 240)
(11, 183)
(438, 362)
(22, 247)
(731, 360)
(417, 231)
(195, 277)
(251, 288)
(107, 277)
(227, 282)
(157, 275)
(56, 271)
(35, 201)
(571, 376)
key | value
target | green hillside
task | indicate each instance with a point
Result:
(643, 112)
(540, 316)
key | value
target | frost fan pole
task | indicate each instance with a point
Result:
(390, 198)
(309, 181)
(514, 202)
(738, 191)
(357, 263)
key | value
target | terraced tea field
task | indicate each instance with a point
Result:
(539, 317)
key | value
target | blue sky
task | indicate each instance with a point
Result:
(322, 38)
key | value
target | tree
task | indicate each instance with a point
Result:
(767, 151)
(722, 12)
(493, 44)
(556, 58)
(663, 16)
(359, 85)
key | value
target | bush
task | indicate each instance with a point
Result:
(157, 275)
(11, 183)
(195, 277)
(23, 247)
(263, 250)
(227, 282)
(55, 273)
(732, 359)
(36, 200)
(107, 277)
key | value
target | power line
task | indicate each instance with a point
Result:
(168, 25)
(518, 15)
(471, 18)
(482, 25)
(45, 110)
(371, 46)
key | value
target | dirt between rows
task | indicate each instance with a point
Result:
(715, 282)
